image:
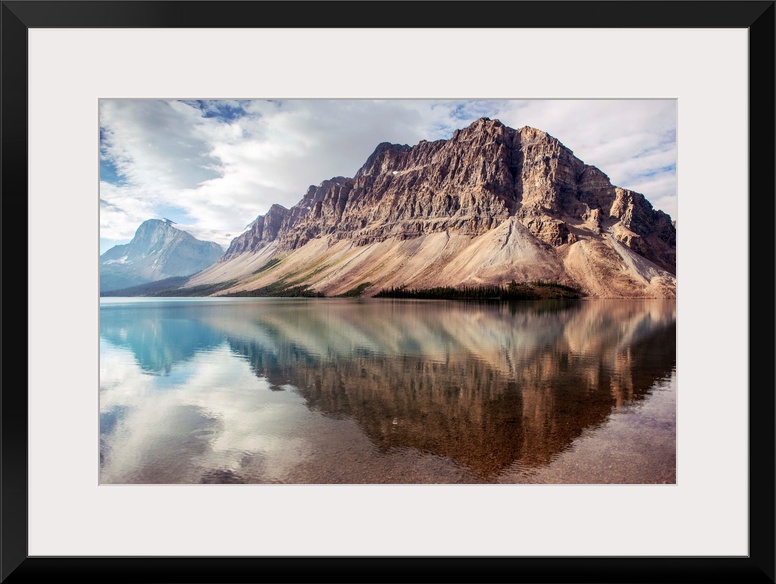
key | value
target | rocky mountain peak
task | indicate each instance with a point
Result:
(527, 134)
(384, 158)
(485, 176)
(483, 125)
(158, 250)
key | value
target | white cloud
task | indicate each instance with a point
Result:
(220, 164)
(122, 209)
(229, 414)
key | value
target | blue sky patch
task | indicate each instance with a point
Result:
(109, 173)
(670, 169)
(225, 111)
(174, 214)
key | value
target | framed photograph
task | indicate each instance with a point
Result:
(228, 433)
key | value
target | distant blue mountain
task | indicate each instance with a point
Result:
(157, 251)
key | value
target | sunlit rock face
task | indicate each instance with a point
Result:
(459, 201)
(157, 251)
(263, 230)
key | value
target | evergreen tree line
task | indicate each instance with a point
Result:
(513, 291)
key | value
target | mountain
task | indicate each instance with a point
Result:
(157, 251)
(490, 205)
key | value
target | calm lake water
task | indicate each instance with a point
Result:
(267, 390)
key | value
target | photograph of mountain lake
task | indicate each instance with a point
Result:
(387, 291)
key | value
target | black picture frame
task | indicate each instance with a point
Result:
(756, 16)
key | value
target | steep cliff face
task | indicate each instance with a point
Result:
(262, 231)
(488, 188)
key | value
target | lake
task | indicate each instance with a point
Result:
(362, 391)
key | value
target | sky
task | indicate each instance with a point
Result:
(213, 166)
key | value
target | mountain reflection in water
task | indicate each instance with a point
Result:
(287, 390)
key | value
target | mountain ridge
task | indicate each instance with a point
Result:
(157, 251)
(488, 205)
